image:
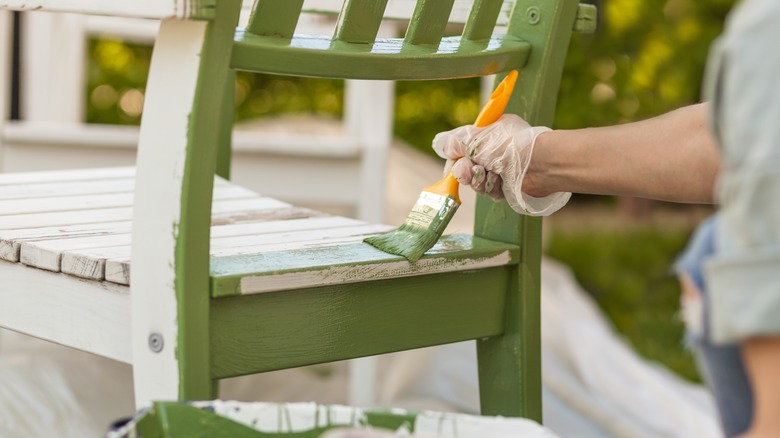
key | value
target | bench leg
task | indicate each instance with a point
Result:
(510, 371)
(171, 215)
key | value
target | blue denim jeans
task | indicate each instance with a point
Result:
(721, 365)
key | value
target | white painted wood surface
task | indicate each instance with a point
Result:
(157, 211)
(358, 273)
(124, 8)
(93, 238)
(58, 176)
(89, 316)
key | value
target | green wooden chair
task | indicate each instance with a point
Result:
(191, 278)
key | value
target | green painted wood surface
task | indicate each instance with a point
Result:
(428, 21)
(359, 21)
(181, 420)
(227, 272)
(276, 18)
(482, 19)
(385, 59)
(271, 331)
(192, 240)
(513, 361)
(587, 18)
(225, 129)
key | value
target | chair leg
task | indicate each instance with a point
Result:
(510, 365)
(510, 369)
(172, 205)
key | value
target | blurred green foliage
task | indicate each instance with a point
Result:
(647, 57)
(116, 72)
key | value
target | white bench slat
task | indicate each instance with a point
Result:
(225, 211)
(352, 272)
(11, 240)
(74, 188)
(70, 175)
(64, 218)
(277, 226)
(90, 316)
(99, 201)
(65, 203)
(47, 253)
(91, 263)
(257, 243)
(46, 190)
(99, 173)
(225, 225)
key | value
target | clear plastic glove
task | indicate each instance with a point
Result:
(494, 160)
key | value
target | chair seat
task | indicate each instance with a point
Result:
(79, 223)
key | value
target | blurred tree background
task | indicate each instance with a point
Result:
(647, 57)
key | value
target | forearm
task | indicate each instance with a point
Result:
(672, 157)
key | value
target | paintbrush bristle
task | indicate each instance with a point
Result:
(422, 228)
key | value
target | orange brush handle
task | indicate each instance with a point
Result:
(494, 107)
(491, 111)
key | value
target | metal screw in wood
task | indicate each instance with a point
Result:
(156, 342)
(533, 14)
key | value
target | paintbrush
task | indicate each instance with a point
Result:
(438, 203)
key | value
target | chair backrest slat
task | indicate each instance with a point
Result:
(428, 21)
(359, 20)
(403, 9)
(275, 17)
(482, 19)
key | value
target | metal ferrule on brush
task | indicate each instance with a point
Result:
(432, 211)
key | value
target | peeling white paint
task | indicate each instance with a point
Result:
(357, 273)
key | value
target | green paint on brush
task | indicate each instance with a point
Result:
(424, 225)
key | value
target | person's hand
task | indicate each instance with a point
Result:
(494, 160)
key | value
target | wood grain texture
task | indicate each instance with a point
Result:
(312, 266)
(162, 153)
(118, 265)
(275, 17)
(359, 21)
(11, 240)
(89, 316)
(428, 22)
(60, 176)
(56, 189)
(482, 19)
(325, 324)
